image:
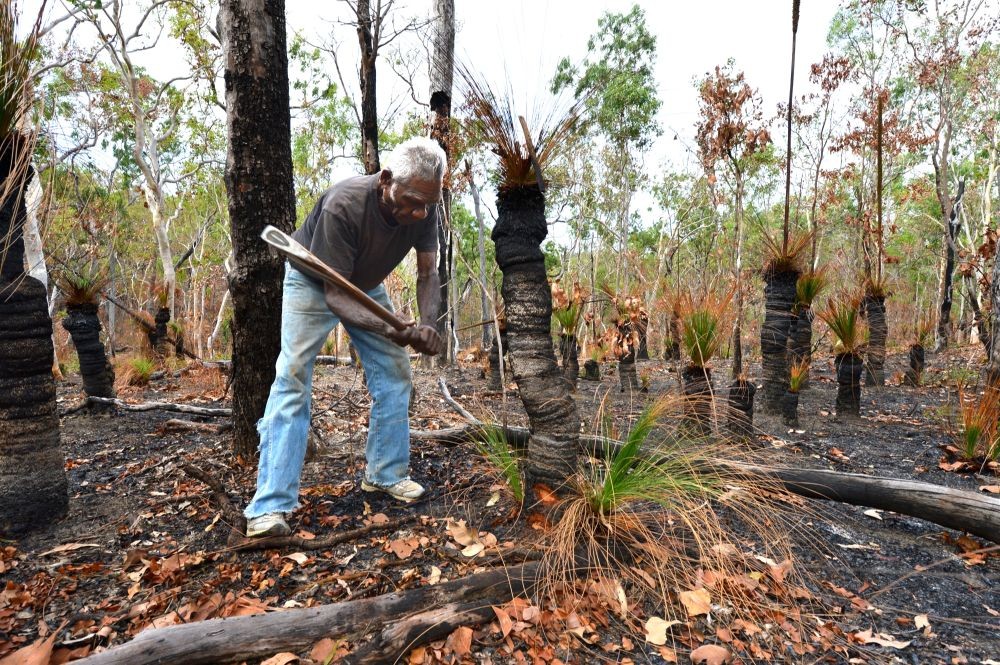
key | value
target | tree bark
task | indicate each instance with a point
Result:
(84, 326)
(552, 412)
(878, 326)
(261, 192)
(698, 399)
(800, 342)
(952, 221)
(779, 295)
(916, 368)
(740, 416)
(442, 67)
(570, 354)
(33, 487)
(366, 25)
(849, 367)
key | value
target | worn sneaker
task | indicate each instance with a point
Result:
(405, 490)
(268, 524)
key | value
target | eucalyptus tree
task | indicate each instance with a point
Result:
(259, 129)
(33, 486)
(616, 83)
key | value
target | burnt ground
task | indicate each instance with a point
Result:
(144, 546)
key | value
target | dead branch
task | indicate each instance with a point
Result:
(455, 405)
(164, 406)
(299, 543)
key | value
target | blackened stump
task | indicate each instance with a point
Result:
(591, 370)
(800, 341)
(874, 310)
(643, 352)
(84, 326)
(790, 408)
(569, 351)
(494, 375)
(916, 368)
(849, 368)
(698, 397)
(158, 335)
(779, 294)
(740, 415)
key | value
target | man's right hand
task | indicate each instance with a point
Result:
(424, 339)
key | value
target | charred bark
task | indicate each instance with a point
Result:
(952, 223)
(366, 78)
(570, 353)
(916, 369)
(552, 413)
(84, 327)
(33, 488)
(800, 341)
(740, 413)
(878, 326)
(779, 295)
(494, 372)
(790, 408)
(849, 368)
(259, 184)
(591, 370)
(697, 387)
(627, 376)
(158, 333)
(442, 68)
(642, 353)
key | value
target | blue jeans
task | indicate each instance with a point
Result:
(306, 322)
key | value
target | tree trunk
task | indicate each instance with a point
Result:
(259, 184)
(552, 413)
(642, 353)
(849, 368)
(570, 354)
(740, 416)
(442, 67)
(916, 368)
(591, 370)
(627, 376)
(952, 222)
(495, 369)
(800, 342)
(484, 302)
(366, 76)
(878, 326)
(158, 336)
(790, 408)
(84, 326)
(698, 399)
(779, 296)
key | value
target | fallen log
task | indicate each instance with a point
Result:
(164, 406)
(961, 510)
(389, 624)
(956, 509)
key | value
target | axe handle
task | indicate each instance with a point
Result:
(312, 264)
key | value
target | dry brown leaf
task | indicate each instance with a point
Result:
(668, 654)
(881, 639)
(417, 656)
(656, 630)
(281, 659)
(298, 557)
(711, 654)
(992, 489)
(37, 653)
(68, 547)
(404, 547)
(696, 602)
(463, 535)
(921, 621)
(506, 623)
(324, 650)
(460, 641)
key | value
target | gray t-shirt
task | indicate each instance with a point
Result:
(347, 230)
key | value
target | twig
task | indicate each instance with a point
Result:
(923, 569)
(233, 516)
(455, 405)
(300, 543)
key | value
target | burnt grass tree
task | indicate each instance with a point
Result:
(84, 327)
(33, 486)
(873, 308)
(552, 413)
(780, 278)
(807, 288)
(260, 190)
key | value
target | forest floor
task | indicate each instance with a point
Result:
(144, 546)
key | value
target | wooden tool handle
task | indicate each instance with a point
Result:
(311, 264)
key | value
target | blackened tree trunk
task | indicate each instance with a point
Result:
(84, 326)
(33, 488)
(570, 354)
(591, 370)
(260, 189)
(952, 223)
(441, 75)
(495, 369)
(697, 387)
(366, 75)
(878, 326)
(913, 373)
(779, 296)
(849, 369)
(158, 335)
(672, 346)
(800, 341)
(552, 413)
(740, 416)
(627, 375)
(790, 408)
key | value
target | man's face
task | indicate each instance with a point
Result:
(411, 201)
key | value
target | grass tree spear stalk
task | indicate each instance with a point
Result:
(788, 155)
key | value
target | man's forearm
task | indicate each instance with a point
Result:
(428, 298)
(353, 314)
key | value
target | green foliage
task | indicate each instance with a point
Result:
(842, 317)
(81, 282)
(630, 474)
(141, 370)
(809, 286)
(980, 415)
(494, 447)
(797, 375)
(702, 327)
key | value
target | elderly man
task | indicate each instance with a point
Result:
(362, 227)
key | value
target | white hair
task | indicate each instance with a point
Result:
(417, 157)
